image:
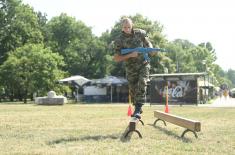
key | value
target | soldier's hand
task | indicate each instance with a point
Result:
(133, 54)
(153, 53)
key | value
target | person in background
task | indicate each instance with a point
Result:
(225, 93)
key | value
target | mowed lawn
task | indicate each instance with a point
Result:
(99, 129)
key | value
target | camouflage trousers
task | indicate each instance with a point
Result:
(137, 82)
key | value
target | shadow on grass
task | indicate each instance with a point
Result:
(170, 133)
(128, 138)
(73, 139)
(95, 138)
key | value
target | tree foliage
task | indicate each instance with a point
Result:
(84, 54)
(31, 68)
(18, 26)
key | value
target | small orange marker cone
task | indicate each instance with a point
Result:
(129, 112)
(166, 107)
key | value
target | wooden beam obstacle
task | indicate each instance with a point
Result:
(190, 125)
(132, 126)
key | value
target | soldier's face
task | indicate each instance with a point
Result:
(127, 27)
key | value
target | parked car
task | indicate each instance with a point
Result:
(232, 93)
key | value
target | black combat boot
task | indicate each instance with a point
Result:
(138, 111)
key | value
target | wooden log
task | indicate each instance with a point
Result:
(133, 123)
(180, 121)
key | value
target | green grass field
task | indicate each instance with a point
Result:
(99, 129)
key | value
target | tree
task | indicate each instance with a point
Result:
(219, 75)
(89, 61)
(182, 56)
(42, 21)
(31, 68)
(209, 55)
(63, 30)
(231, 77)
(18, 26)
(83, 53)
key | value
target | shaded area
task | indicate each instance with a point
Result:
(172, 134)
(73, 139)
(128, 138)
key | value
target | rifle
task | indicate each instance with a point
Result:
(142, 50)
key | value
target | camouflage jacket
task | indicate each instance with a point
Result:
(138, 38)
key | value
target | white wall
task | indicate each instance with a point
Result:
(94, 90)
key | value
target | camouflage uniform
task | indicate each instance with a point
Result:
(137, 71)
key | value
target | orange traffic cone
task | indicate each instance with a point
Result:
(166, 109)
(129, 112)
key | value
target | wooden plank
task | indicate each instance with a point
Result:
(133, 122)
(180, 121)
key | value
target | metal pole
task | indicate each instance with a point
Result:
(111, 93)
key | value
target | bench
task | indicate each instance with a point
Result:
(190, 125)
(132, 126)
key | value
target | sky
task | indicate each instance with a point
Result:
(194, 20)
